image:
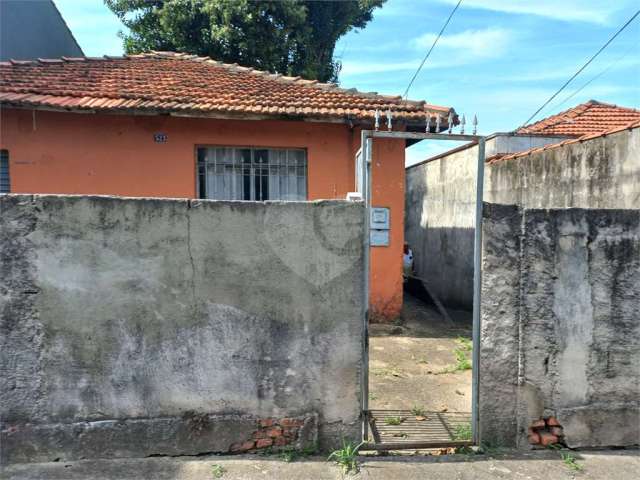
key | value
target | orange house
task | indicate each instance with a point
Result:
(177, 125)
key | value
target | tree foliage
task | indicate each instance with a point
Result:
(292, 37)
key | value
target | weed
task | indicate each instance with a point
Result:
(465, 343)
(570, 461)
(462, 359)
(217, 471)
(465, 450)
(393, 420)
(290, 454)
(463, 432)
(346, 457)
(418, 411)
(373, 396)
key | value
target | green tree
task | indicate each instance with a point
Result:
(292, 37)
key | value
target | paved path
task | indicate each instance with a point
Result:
(547, 465)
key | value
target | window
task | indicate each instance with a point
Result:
(230, 173)
(5, 183)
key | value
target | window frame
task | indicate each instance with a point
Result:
(253, 148)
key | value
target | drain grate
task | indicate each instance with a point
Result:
(401, 429)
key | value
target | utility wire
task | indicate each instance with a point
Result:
(595, 77)
(582, 68)
(406, 92)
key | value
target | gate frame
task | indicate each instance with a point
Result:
(366, 154)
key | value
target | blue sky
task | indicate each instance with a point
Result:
(499, 59)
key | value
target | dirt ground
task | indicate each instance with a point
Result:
(414, 363)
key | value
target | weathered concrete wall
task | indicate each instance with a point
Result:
(440, 197)
(133, 327)
(561, 324)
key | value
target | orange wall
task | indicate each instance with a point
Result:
(74, 153)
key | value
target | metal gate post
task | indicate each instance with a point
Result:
(477, 284)
(366, 147)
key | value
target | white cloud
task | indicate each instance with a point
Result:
(487, 43)
(591, 11)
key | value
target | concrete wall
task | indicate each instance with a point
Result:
(133, 327)
(34, 29)
(440, 197)
(560, 325)
(71, 153)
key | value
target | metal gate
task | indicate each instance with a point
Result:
(436, 429)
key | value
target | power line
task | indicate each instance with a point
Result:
(406, 92)
(595, 77)
(582, 68)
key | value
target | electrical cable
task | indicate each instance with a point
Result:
(582, 68)
(406, 92)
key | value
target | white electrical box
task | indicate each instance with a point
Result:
(379, 227)
(379, 218)
(379, 238)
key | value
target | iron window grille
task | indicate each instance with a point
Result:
(235, 173)
(5, 180)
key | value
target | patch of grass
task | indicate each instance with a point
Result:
(418, 411)
(373, 396)
(463, 432)
(346, 457)
(393, 420)
(465, 343)
(290, 454)
(570, 461)
(462, 353)
(217, 471)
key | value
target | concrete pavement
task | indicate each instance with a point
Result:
(618, 465)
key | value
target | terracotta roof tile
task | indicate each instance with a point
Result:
(553, 146)
(161, 82)
(588, 118)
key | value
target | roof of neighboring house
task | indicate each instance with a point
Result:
(585, 119)
(29, 30)
(510, 156)
(188, 85)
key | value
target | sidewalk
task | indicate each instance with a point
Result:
(617, 465)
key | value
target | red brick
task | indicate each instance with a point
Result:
(538, 424)
(557, 431)
(291, 422)
(547, 438)
(281, 441)
(274, 432)
(553, 422)
(534, 438)
(242, 447)
(266, 422)
(259, 434)
(264, 442)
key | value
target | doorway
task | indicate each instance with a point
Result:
(421, 375)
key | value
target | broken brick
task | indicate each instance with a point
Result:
(264, 442)
(534, 438)
(538, 424)
(553, 422)
(557, 431)
(259, 434)
(281, 441)
(291, 422)
(274, 432)
(547, 438)
(242, 447)
(266, 422)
